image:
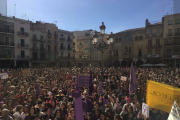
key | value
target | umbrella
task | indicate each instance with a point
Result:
(147, 65)
(160, 64)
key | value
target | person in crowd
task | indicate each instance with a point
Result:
(5, 115)
(130, 115)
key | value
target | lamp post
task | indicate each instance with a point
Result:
(84, 57)
(101, 45)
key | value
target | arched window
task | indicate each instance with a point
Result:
(116, 39)
(120, 39)
(136, 38)
(141, 37)
(128, 37)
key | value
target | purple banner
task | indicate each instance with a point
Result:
(83, 80)
(78, 109)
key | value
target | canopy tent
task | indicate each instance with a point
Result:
(161, 65)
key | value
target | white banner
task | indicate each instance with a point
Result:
(145, 110)
(123, 78)
(4, 75)
(175, 111)
(153, 56)
(175, 56)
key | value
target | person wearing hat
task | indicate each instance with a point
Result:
(128, 102)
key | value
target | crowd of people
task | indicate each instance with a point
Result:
(20, 101)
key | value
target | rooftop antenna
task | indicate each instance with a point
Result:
(14, 10)
(163, 11)
(172, 10)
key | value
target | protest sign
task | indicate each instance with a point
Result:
(160, 96)
(174, 114)
(26, 72)
(15, 73)
(4, 75)
(83, 80)
(145, 110)
(123, 78)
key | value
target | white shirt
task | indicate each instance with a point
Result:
(17, 116)
(131, 105)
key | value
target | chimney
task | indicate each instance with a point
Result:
(147, 22)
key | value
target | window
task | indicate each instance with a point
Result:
(80, 43)
(61, 35)
(34, 36)
(41, 37)
(61, 54)
(55, 57)
(54, 32)
(149, 52)
(177, 21)
(86, 49)
(177, 41)
(177, 30)
(169, 51)
(150, 31)
(61, 45)
(22, 29)
(87, 34)
(140, 52)
(55, 48)
(136, 38)
(68, 55)
(41, 45)
(140, 37)
(116, 39)
(68, 37)
(125, 50)
(158, 31)
(34, 45)
(80, 56)
(69, 47)
(120, 39)
(149, 43)
(176, 51)
(22, 53)
(22, 42)
(7, 52)
(7, 27)
(48, 31)
(49, 47)
(128, 37)
(96, 56)
(170, 22)
(6, 41)
(169, 31)
(49, 56)
(169, 41)
(129, 50)
(116, 52)
(86, 42)
(157, 42)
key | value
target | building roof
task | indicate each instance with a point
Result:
(65, 31)
(130, 30)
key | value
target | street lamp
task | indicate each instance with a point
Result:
(101, 45)
(84, 57)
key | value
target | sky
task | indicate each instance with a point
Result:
(71, 15)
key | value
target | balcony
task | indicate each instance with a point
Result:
(55, 51)
(7, 31)
(62, 48)
(23, 45)
(55, 42)
(69, 49)
(80, 46)
(49, 51)
(149, 46)
(177, 34)
(114, 56)
(80, 52)
(62, 39)
(49, 34)
(174, 43)
(6, 56)
(69, 40)
(55, 35)
(158, 46)
(149, 35)
(6, 43)
(22, 57)
(65, 57)
(34, 48)
(42, 49)
(169, 34)
(49, 41)
(22, 33)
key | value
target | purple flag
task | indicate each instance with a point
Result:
(91, 85)
(133, 81)
(100, 88)
(85, 107)
(105, 101)
(37, 88)
(77, 86)
(78, 108)
(89, 105)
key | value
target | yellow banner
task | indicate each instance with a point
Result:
(161, 96)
